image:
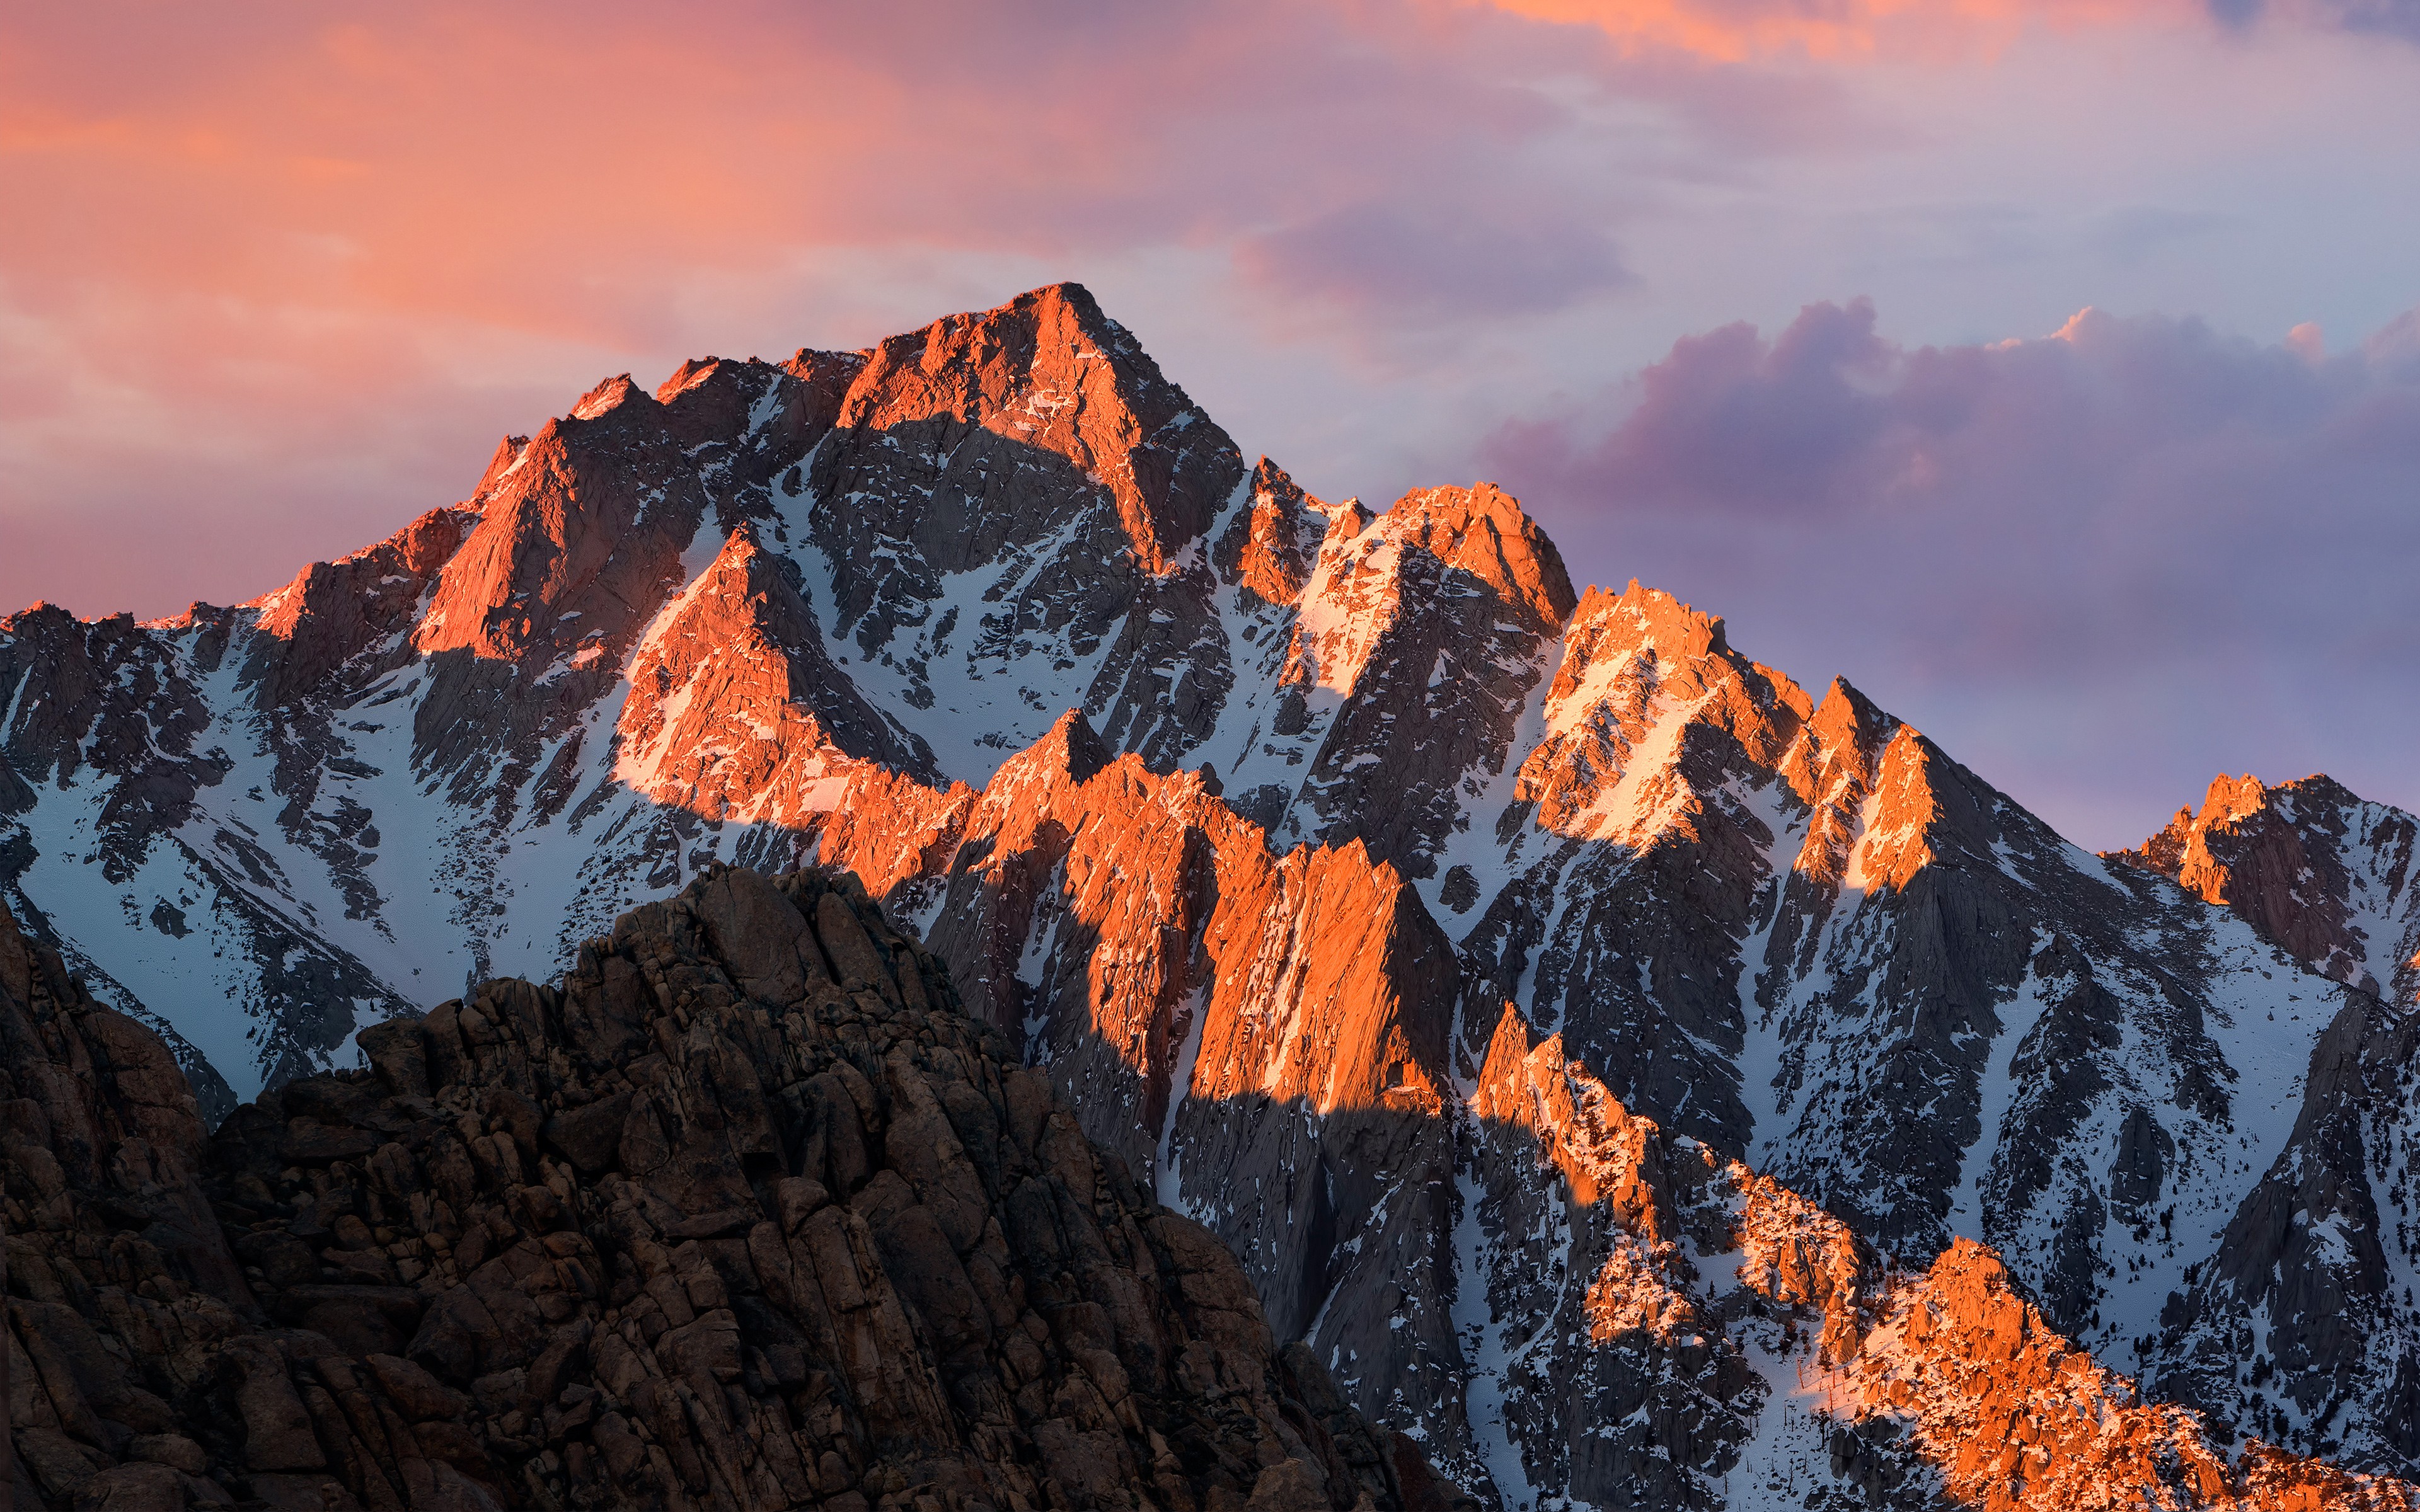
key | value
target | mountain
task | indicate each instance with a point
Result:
(2305, 1322)
(2322, 876)
(1376, 897)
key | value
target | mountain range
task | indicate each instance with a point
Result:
(1631, 1078)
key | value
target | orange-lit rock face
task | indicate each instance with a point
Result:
(735, 713)
(1603, 1153)
(1008, 520)
(1931, 1387)
(1643, 674)
(2328, 878)
(1074, 915)
(1331, 992)
(561, 532)
(1103, 908)
(1046, 373)
(335, 611)
(1398, 680)
(1832, 771)
(2011, 1414)
(1269, 548)
(1261, 1038)
(1483, 530)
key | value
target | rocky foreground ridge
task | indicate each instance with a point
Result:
(743, 1212)
(746, 1212)
(1250, 821)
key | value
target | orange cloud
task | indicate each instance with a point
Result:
(1735, 31)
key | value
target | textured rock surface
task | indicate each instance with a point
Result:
(2303, 1326)
(1694, 1335)
(2328, 878)
(1264, 1037)
(743, 1213)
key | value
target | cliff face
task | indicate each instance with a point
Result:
(2326, 877)
(741, 1213)
(2301, 1327)
(1701, 1335)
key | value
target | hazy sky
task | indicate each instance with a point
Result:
(2043, 369)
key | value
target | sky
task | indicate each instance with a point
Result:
(2050, 371)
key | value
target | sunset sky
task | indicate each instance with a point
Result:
(2052, 371)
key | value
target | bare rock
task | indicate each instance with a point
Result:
(819, 1243)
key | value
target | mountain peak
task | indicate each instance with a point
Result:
(1673, 628)
(1272, 546)
(1484, 532)
(1070, 751)
(606, 397)
(735, 710)
(2232, 797)
(1068, 394)
(686, 376)
(2315, 870)
(1847, 720)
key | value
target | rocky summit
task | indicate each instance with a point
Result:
(1081, 973)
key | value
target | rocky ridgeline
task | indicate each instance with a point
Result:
(2303, 1325)
(1703, 1336)
(742, 1214)
(2327, 877)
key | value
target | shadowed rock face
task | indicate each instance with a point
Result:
(2303, 1326)
(1021, 498)
(1264, 1036)
(2328, 878)
(741, 1213)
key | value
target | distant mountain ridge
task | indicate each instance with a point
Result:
(1300, 844)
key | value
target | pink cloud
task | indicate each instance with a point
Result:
(1837, 31)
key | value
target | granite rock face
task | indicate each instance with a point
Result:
(2325, 876)
(741, 1213)
(2301, 1327)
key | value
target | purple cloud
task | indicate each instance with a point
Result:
(2101, 566)
(1435, 258)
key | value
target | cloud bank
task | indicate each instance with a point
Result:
(2135, 544)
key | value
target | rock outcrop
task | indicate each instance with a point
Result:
(1266, 1036)
(2329, 879)
(742, 1214)
(1678, 1331)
